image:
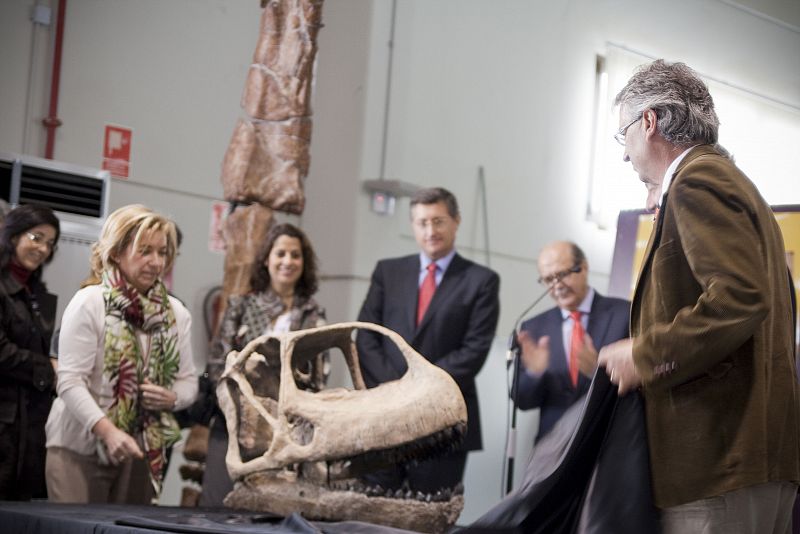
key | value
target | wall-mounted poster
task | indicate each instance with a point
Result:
(117, 150)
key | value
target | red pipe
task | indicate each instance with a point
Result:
(51, 122)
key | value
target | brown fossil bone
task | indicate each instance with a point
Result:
(268, 158)
(304, 450)
(244, 232)
(268, 155)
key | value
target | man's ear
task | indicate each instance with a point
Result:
(650, 123)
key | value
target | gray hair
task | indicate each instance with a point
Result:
(681, 100)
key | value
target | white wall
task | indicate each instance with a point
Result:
(509, 86)
(504, 85)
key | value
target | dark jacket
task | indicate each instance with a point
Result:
(713, 338)
(553, 392)
(455, 334)
(27, 383)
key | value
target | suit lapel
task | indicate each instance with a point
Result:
(598, 321)
(558, 358)
(409, 291)
(652, 244)
(655, 235)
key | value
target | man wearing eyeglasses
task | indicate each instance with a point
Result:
(712, 342)
(558, 347)
(446, 307)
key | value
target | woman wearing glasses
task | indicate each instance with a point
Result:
(27, 241)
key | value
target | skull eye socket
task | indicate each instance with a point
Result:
(312, 358)
(302, 430)
(262, 372)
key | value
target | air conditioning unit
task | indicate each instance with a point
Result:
(78, 195)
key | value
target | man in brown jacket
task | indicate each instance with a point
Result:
(712, 336)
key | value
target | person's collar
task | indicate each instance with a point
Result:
(20, 273)
(585, 307)
(442, 263)
(668, 175)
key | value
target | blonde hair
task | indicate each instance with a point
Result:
(128, 224)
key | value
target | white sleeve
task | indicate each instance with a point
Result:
(185, 385)
(80, 340)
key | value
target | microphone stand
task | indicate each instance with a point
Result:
(512, 356)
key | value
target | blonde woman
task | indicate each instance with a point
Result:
(125, 364)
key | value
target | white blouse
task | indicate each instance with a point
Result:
(84, 396)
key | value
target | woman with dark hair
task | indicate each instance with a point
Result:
(282, 284)
(27, 241)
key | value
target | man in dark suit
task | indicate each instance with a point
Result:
(711, 320)
(558, 359)
(444, 306)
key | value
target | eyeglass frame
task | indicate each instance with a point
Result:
(619, 137)
(435, 223)
(558, 277)
(38, 239)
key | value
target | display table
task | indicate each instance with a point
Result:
(41, 517)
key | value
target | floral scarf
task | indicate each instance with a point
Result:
(125, 365)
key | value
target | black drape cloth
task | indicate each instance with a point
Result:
(590, 474)
(50, 518)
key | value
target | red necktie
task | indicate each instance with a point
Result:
(426, 292)
(575, 346)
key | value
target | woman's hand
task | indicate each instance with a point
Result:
(120, 445)
(156, 397)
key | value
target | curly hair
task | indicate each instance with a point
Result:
(20, 220)
(128, 224)
(308, 282)
(681, 100)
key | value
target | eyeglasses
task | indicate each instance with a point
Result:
(620, 135)
(553, 279)
(38, 239)
(436, 223)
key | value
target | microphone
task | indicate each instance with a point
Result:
(512, 356)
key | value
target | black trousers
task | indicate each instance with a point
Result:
(22, 459)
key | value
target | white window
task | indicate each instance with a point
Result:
(762, 134)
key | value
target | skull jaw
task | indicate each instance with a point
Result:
(279, 492)
(417, 415)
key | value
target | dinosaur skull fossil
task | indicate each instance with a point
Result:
(293, 448)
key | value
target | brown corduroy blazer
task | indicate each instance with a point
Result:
(713, 338)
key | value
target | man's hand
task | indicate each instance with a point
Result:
(535, 354)
(617, 358)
